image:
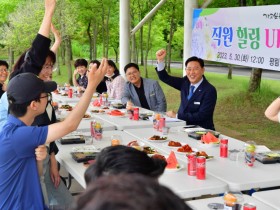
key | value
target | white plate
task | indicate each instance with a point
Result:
(188, 130)
(174, 169)
(157, 141)
(171, 147)
(98, 112)
(184, 153)
(210, 158)
(116, 115)
(208, 145)
(87, 118)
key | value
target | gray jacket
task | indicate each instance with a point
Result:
(153, 92)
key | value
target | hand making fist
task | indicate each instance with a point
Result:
(160, 54)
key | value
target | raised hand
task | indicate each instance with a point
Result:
(57, 38)
(96, 75)
(50, 6)
(160, 54)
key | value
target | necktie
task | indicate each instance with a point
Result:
(191, 92)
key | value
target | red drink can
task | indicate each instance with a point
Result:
(70, 92)
(224, 148)
(192, 164)
(249, 206)
(136, 113)
(200, 167)
(161, 124)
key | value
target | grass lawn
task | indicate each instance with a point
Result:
(237, 114)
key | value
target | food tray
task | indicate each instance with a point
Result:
(266, 158)
(197, 134)
(83, 156)
(75, 139)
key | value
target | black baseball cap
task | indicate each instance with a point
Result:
(26, 87)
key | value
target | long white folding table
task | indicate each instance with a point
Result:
(182, 184)
(124, 122)
(270, 197)
(64, 99)
(201, 204)
(84, 125)
(236, 174)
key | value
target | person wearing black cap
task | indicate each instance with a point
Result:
(28, 96)
(40, 59)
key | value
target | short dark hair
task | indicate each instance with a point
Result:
(123, 159)
(112, 63)
(95, 61)
(52, 56)
(131, 65)
(19, 110)
(81, 62)
(23, 57)
(128, 192)
(4, 63)
(194, 58)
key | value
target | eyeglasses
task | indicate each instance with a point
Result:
(131, 73)
(48, 96)
(3, 70)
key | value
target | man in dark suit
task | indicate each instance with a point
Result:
(198, 96)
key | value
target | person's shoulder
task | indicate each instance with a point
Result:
(207, 83)
(119, 78)
(148, 80)
(42, 38)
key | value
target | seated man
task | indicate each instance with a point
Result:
(81, 70)
(142, 92)
(198, 96)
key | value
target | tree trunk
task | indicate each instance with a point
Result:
(229, 71)
(133, 49)
(133, 43)
(57, 64)
(62, 53)
(255, 80)
(141, 47)
(148, 48)
(11, 57)
(103, 32)
(242, 2)
(94, 41)
(171, 34)
(68, 59)
(117, 54)
(89, 40)
(70, 49)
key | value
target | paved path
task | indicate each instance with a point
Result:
(242, 71)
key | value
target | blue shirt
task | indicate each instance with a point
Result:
(3, 109)
(19, 183)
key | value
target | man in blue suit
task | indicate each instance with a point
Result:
(198, 96)
(142, 92)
